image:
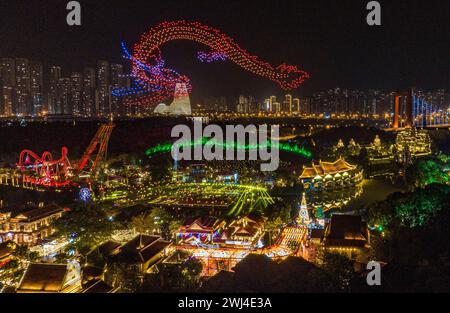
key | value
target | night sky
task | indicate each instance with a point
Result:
(329, 39)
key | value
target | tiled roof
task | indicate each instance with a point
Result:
(142, 248)
(346, 230)
(38, 213)
(99, 286)
(324, 168)
(40, 277)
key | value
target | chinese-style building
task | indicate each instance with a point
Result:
(245, 230)
(417, 140)
(142, 252)
(50, 278)
(28, 226)
(348, 235)
(203, 229)
(330, 176)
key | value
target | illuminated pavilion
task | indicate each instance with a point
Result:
(330, 176)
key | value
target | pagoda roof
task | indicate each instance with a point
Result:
(323, 168)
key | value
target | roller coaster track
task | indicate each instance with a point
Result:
(45, 171)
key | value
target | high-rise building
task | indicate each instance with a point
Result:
(117, 81)
(90, 100)
(215, 104)
(76, 92)
(6, 101)
(103, 83)
(52, 96)
(37, 88)
(23, 101)
(306, 105)
(296, 105)
(247, 104)
(8, 72)
(63, 96)
(287, 104)
(7, 83)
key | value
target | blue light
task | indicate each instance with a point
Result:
(84, 194)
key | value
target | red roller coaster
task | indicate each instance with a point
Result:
(45, 171)
(155, 82)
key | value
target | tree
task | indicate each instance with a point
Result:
(124, 276)
(339, 270)
(157, 221)
(191, 270)
(86, 226)
(424, 173)
(160, 168)
(273, 225)
(415, 242)
(143, 223)
(184, 277)
(22, 252)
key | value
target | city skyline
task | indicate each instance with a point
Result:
(399, 54)
(28, 89)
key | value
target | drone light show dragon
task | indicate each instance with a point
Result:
(154, 82)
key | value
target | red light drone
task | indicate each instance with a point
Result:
(155, 82)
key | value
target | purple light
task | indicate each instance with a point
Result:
(208, 57)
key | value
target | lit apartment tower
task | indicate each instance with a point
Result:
(117, 81)
(6, 101)
(266, 105)
(276, 107)
(76, 98)
(90, 103)
(220, 104)
(242, 105)
(103, 83)
(64, 99)
(296, 105)
(37, 88)
(23, 103)
(372, 101)
(215, 104)
(8, 72)
(52, 96)
(287, 103)
(319, 103)
(7, 83)
(272, 100)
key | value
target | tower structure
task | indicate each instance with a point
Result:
(407, 111)
(303, 214)
(181, 104)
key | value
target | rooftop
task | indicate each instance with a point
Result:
(323, 168)
(346, 230)
(42, 277)
(37, 213)
(142, 248)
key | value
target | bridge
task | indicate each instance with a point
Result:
(411, 110)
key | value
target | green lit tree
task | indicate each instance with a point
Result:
(424, 173)
(86, 225)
